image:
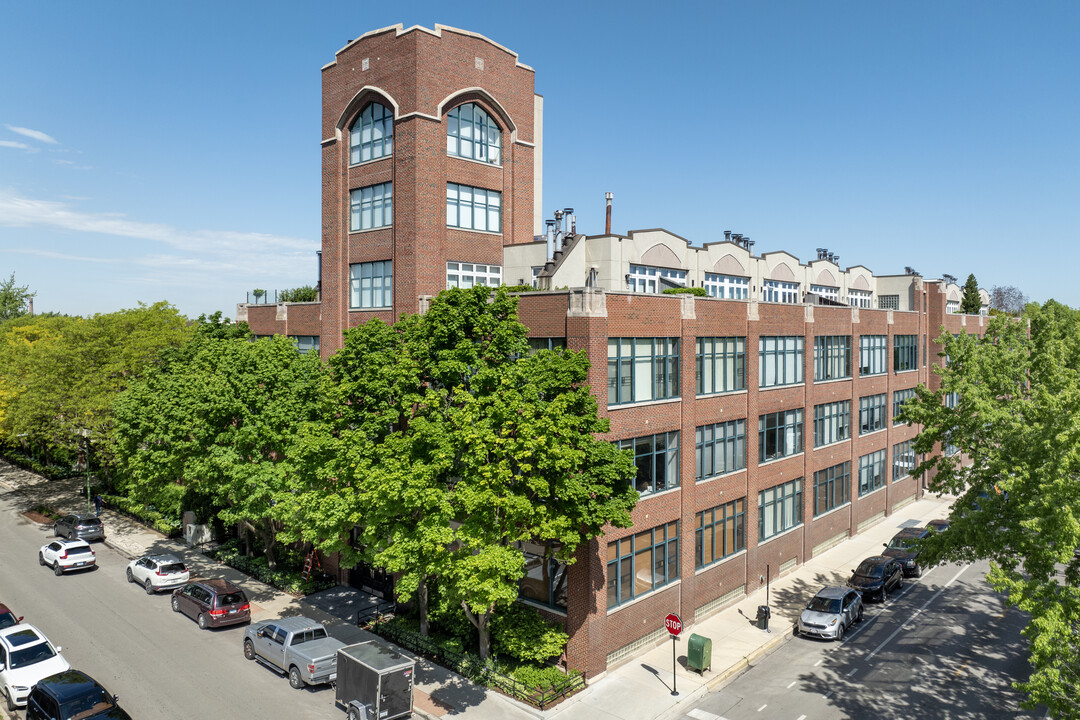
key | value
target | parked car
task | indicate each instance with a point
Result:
(876, 576)
(832, 611)
(7, 618)
(904, 548)
(296, 646)
(939, 525)
(157, 572)
(212, 603)
(82, 527)
(26, 656)
(72, 695)
(64, 555)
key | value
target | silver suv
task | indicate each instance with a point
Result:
(832, 611)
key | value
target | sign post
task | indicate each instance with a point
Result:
(674, 626)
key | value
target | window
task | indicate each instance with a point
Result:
(780, 361)
(832, 488)
(472, 133)
(721, 531)
(903, 459)
(646, 278)
(872, 355)
(859, 298)
(826, 292)
(720, 448)
(900, 397)
(641, 563)
(657, 460)
(888, 302)
(871, 472)
(467, 275)
(871, 413)
(545, 577)
(371, 285)
(728, 287)
(371, 207)
(552, 343)
(905, 353)
(832, 357)
(780, 434)
(721, 365)
(781, 292)
(832, 422)
(306, 343)
(779, 509)
(372, 134)
(952, 307)
(641, 369)
(473, 208)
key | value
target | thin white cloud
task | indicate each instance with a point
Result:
(33, 134)
(14, 144)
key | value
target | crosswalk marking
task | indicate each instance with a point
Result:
(699, 714)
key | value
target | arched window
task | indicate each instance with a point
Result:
(472, 133)
(372, 134)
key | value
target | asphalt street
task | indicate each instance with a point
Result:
(945, 647)
(159, 662)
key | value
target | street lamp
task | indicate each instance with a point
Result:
(85, 433)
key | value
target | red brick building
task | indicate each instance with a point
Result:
(761, 416)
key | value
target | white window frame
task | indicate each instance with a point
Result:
(727, 287)
(467, 275)
(779, 291)
(860, 298)
(826, 291)
(646, 278)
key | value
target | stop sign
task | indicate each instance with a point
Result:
(673, 623)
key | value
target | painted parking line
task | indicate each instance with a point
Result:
(916, 613)
(818, 662)
(791, 683)
(699, 714)
(874, 616)
(763, 707)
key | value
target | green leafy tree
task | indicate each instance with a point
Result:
(14, 299)
(970, 301)
(306, 293)
(1017, 420)
(220, 327)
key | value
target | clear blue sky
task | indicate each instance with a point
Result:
(155, 151)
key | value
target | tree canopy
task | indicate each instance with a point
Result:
(971, 301)
(1016, 418)
(1008, 299)
(14, 299)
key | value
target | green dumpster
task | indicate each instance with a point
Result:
(699, 653)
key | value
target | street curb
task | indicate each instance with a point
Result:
(118, 548)
(748, 660)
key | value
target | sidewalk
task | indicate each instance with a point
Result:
(639, 689)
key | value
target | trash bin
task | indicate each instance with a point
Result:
(763, 614)
(699, 653)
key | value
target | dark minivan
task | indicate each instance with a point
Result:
(79, 527)
(72, 695)
(212, 603)
(876, 576)
(904, 548)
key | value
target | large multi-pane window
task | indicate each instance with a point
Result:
(903, 459)
(306, 343)
(871, 413)
(641, 369)
(905, 352)
(721, 532)
(719, 448)
(888, 302)
(779, 509)
(780, 292)
(641, 563)
(899, 397)
(721, 364)
(730, 287)
(780, 360)
(472, 208)
(780, 434)
(832, 488)
(860, 298)
(872, 355)
(544, 581)
(546, 343)
(371, 207)
(646, 278)
(832, 357)
(657, 460)
(826, 291)
(871, 472)
(371, 284)
(467, 275)
(372, 135)
(832, 422)
(472, 133)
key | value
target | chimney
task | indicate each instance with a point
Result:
(608, 197)
(727, 236)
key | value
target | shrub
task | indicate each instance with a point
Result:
(541, 678)
(699, 291)
(145, 514)
(307, 293)
(519, 288)
(520, 632)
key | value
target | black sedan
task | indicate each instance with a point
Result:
(877, 576)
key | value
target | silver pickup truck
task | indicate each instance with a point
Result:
(297, 646)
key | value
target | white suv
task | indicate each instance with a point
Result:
(26, 656)
(157, 572)
(63, 555)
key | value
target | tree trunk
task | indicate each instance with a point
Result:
(422, 605)
(480, 622)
